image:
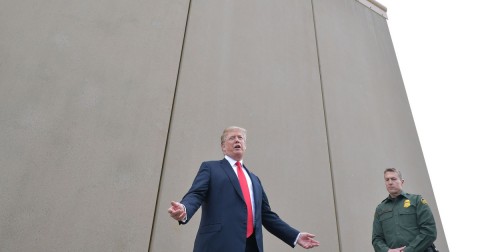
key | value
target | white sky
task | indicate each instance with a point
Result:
(437, 45)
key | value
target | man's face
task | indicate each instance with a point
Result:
(234, 145)
(393, 183)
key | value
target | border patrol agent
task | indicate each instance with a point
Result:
(403, 222)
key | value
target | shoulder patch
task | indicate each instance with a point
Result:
(424, 201)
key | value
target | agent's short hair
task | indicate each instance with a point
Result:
(232, 128)
(393, 170)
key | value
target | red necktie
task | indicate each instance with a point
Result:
(246, 196)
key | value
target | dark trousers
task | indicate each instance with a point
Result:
(251, 244)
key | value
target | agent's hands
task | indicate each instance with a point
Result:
(306, 241)
(177, 211)
(397, 249)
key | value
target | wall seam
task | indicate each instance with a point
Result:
(326, 128)
(169, 127)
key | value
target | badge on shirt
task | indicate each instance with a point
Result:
(406, 203)
(424, 201)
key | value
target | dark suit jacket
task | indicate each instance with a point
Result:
(224, 213)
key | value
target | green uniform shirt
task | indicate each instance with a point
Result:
(403, 221)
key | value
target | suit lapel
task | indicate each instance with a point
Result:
(232, 176)
(257, 193)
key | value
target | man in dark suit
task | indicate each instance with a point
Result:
(233, 208)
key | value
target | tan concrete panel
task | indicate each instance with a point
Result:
(370, 125)
(86, 90)
(252, 64)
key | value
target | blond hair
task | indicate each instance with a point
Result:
(232, 128)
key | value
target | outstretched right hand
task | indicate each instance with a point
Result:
(177, 211)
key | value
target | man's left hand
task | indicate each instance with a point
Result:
(306, 241)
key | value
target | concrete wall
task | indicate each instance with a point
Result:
(369, 122)
(86, 98)
(107, 109)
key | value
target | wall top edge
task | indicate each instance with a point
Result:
(375, 6)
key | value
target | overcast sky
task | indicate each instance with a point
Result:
(437, 46)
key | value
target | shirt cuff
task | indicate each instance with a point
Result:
(295, 243)
(184, 218)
